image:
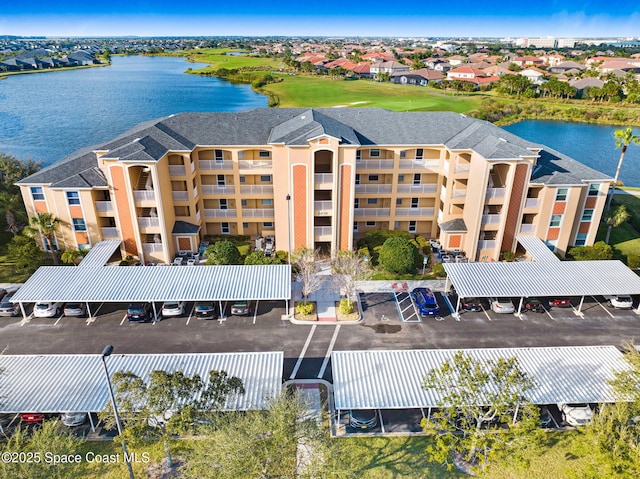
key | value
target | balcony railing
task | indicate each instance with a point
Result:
(152, 248)
(373, 188)
(374, 164)
(363, 212)
(255, 164)
(322, 233)
(104, 206)
(109, 232)
(148, 221)
(219, 213)
(218, 190)
(490, 219)
(426, 188)
(462, 168)
(195, 191)
(323, 208)
(180, 195)
(323, 179)
(258, 212)
(532, 202)
(177, 170)
(198, 216)
(486, 244)
(527, 228)
(419, 164)
(256, 189)
(495, 192)
(211, 165)
(415, 212)
(458, 193)
(144, 195)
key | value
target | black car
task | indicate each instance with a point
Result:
(471, 304)
(534, 304)
(205, 310)
(139, 313)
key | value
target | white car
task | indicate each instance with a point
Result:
(502, 305)
(576, 414)
(173, 308)
(621, 302)
(191, 262)
(71, 419)
(177, 261)
(47, 310)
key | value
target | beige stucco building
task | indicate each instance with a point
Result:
(320, 178)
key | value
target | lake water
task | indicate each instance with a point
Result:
(46, 116)
(592, 145)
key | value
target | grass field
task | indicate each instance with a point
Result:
(218, 59)
(7, 271)
(625, 240)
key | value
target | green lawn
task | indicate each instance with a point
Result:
(625, 240)
(7, 271)
(218, 59)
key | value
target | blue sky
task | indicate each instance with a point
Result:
(589, 18)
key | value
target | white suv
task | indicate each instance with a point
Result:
(47, 310)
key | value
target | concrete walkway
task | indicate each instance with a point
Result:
(325, 299)
(396, 286)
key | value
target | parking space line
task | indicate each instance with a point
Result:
(58, 320)
(606, 310)
(548, 313)
(193, 308)
(485, 312)
(328, 354)
(302, 353)
(123, 320)
(255, 313)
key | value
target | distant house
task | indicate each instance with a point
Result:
(534, 75)
(9, 65)
(457, 60)
(45, 62)
(497, 70)
(465, 73)
(527, 60)
(552, 59)
(585, 83)
(362, 70)
(565, 67)
(380, 68)
(81, 58)
(27, 63)
(421, 77)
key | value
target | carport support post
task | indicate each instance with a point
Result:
(515, 414)
(221, 310)
(155, 313)
(582, 301)
(458, 305)
(93, 426)
(520, 305)
(446, 285)
(24, 315)
(88, 310)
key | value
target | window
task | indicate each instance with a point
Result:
(265, 178)
(218, 155)
(223, 204)
(267, 224)
(37, 193)
(419, 153)
(73, 198)
(221, 180)
(224, 228)
(581, 239)
(555, 220)
(355, 226)
(415, 202)
(264, 154)
(398, 201)
(413, 226)
(358, 155)
(84, 247)
(241, 155)
(357, 178)
(266, 202)
(370, 223)
(400, 178)
(243, 202)
(396, 224)
(243, 179)
(403, 154)
(561, 194)
(594, 189)
(356, 203)
(551, 244)
(374, 153)
(79, 224)
(587, 215)
(245, 225)
(417, 178)
(373, 177)
(372, 201)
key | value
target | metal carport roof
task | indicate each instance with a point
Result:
(169, 283)
(76, 382)
(393, 379)
(537, 249)
(100, 253)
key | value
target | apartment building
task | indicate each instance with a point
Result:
(320, 178)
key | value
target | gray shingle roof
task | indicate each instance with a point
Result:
(554, 168)
(183, 227)
(454, 225)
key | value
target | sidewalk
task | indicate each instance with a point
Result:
(395, 286)
(325, 299)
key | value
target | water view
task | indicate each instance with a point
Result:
(46, 116)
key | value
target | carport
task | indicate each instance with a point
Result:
(100, 253)
(393, 379)
(544, 276)
(52, 384)
(129, 284)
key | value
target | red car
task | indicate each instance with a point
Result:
(31, 418)
(561, 303)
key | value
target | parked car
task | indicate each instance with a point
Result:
(75, 309)
(173, 308)
(502, 305)
(621, 302)
(191, 262)
(72, 419)
(177, 261)
(471, 304)
(576, 414)
(31, 418)
(240, 308)
(363, 418)
(426, 302)
(560, 303)
(139, 313)
(545, 417)
(47, 310)
(8, 308)
(205, 310)
(534, 304)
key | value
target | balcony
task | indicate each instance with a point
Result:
(366, 212)
(255, 164)
(198, 216)
(495, 192)
(258, 212)
(322, 233)
(323, 208)
(144, 195)
(323, 180)
(532, 202)
(109, 232)
(180, 195)
(218, 190)
(417, 164)
(486, 244)
(256, 189)
(212, 165)
(177, 170)
(415, 212)
(195, 191)
(459, 193)
(374, 164)
(151, 248)
(373, 188)
(417, 188)
(464, 168)
(527, 228)
(219, 213)
(490, 219)
(148, 222)
(104, 206)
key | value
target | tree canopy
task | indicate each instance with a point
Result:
(222, 252)
(399, 255)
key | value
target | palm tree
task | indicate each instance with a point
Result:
(45, 224)
(9, 203)
(620, 215)
(71, 256)
(623, 139)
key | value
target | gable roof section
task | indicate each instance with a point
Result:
(553, 167)
(301, 128)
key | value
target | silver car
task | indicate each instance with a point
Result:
(8, 308)
(502, 305)
(71, 419)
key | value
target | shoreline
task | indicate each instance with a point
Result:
(5, 75)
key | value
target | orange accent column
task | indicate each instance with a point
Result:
(513, 214)
(40, 206)
(299, 206)
(345, 206)
(124, 212)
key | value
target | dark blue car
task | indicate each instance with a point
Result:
(425, 301)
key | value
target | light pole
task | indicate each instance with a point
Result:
(288, 198)
(107, 352)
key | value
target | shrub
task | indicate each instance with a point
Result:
(399, 255)
(346, 306)
(508, 256)
(282, 255)
(304, 308)
(597, 251)
(221, 253)
(438, 270)
(633, 261)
